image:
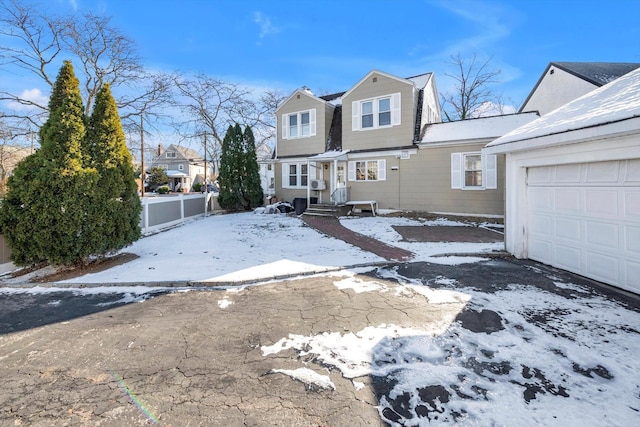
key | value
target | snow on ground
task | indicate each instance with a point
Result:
(232, 248)
(246, 247)
(381, 228)
(557, 360)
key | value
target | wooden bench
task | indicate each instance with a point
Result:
(369, 203)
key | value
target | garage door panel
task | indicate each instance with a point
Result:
(632, 204)
(541, 199)
(602, 203)
(569, 228)
(567, 201)
(603, 173)
(568, 257)
(592, 225)
(632, 271)
(632, 174)
(541, 225)
(602, 267)
(541, 175)
(632, 239)
(568, 174)
(540, 250)
(603, 234)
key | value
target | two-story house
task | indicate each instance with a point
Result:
(340, 147)
(184, 167)
(383, 141)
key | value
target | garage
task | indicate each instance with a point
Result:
(572, 190)
(585, 218)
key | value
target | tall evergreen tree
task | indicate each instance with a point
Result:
(251, 186)
(45, 209)
(230, 190)
(114, 215)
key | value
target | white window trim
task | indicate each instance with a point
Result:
(395, 109)
(382, 171)
(285, 175)
(489, 171)
(312, 124)
(171, 154)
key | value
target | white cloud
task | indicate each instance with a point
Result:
(265, 25)
(34, 95)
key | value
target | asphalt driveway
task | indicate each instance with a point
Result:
(499, 342)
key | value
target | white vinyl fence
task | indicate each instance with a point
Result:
(162, 211)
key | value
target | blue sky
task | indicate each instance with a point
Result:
(329, 45)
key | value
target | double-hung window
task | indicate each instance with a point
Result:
(473, 171)
(376, 113)
(299, 125)
(295, 175)
(367, 170)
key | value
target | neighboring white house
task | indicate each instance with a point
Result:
(573, 185)
(562, 82)
(184, 167)
(266, 162)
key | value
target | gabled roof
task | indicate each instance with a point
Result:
(391, 76)
(307, 93)
(596, 73)
(616, 104)
(187, 153)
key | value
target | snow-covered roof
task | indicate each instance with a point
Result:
(616, 102)
(420, 80)
(475, 129)
(329, 155)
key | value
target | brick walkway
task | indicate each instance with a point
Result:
(331, 226)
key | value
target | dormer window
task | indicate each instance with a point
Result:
(301, 124)
(376, 113)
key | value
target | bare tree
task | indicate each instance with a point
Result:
(106, 55)
(209, 106)
(472, 92)
(261, 116)
(36, 42)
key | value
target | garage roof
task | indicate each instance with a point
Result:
(615, 103)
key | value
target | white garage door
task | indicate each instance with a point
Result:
(585, 218)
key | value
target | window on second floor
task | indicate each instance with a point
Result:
(171, 155)
(299, 125)
(376, 113)
(180, 167)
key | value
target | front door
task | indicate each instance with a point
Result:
(339, 183)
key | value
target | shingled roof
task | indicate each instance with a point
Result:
(597, 73)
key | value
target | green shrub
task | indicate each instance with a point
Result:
(163, 189)
(197, 187)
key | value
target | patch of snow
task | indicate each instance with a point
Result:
(224, 303)
(309, 377)
(381, 228)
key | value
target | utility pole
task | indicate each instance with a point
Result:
(142, 174)
(206, 185)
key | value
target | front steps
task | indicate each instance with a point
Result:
(326, 209)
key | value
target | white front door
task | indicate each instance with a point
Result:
(585, 218)
(339, 183)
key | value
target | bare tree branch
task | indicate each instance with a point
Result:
(472, 90)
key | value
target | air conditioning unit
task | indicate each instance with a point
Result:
(317, 184)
